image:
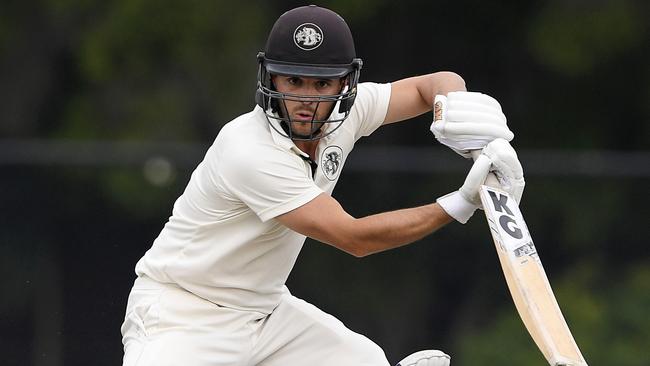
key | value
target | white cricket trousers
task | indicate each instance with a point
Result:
(168, 326)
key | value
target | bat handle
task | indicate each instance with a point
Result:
(491, 180)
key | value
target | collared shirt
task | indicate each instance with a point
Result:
(222, 242)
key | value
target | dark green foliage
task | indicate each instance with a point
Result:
(570, 76)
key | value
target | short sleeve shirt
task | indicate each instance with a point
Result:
(222, 242)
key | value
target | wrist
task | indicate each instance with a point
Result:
(456, 206)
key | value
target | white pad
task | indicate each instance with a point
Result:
(426, 358)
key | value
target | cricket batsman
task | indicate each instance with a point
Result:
(211, 290)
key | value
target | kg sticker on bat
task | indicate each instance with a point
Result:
(503, 211)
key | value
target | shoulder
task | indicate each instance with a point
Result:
(246, 133)
(371, 96)
(237, 144)
(251, 125)
(246, 144)
(373, 90)
(370, 107)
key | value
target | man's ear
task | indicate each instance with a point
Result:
(272, 78)
(344, 83)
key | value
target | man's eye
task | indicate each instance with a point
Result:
(322, 84)
(293, 81)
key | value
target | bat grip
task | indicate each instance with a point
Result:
(491, 180)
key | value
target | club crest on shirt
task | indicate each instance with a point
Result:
(331, 161)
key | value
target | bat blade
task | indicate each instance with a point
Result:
(527, 280)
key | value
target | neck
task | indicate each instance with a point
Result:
(308, 147)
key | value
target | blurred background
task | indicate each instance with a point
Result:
(107, 106)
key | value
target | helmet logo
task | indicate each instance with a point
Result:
(331, 161)
(308, 36)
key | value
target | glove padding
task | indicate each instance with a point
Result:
(426, 358)
(462, 203)
(466, 121)
(506, 167)
(497, 156)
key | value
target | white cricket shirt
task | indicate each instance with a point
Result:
(222, 242)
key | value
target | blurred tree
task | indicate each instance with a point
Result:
(166, 71)
(601, 307)
(574, 37)
(569, 74)
(593, 57)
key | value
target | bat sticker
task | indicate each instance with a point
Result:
(526, 249)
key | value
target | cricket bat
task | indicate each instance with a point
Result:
(527, 281)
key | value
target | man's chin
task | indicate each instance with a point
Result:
(307, 130)
(301, 121)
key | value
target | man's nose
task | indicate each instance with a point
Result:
(308, 89)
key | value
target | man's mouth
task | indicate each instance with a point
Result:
(303, 116)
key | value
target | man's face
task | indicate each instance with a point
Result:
(303, 112)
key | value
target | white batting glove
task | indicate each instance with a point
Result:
(426, 358)
(506, 167)
(498, 156)
(462, 203)
(466, 121)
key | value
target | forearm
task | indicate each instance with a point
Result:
(440, 83)
(414, 96)
(325, 220)
(387, 230)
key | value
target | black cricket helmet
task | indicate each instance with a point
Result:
(312, 42)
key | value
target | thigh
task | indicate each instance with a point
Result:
(298, 333)
(170, 326)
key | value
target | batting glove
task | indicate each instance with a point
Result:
(466, 121)
(497, 156)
